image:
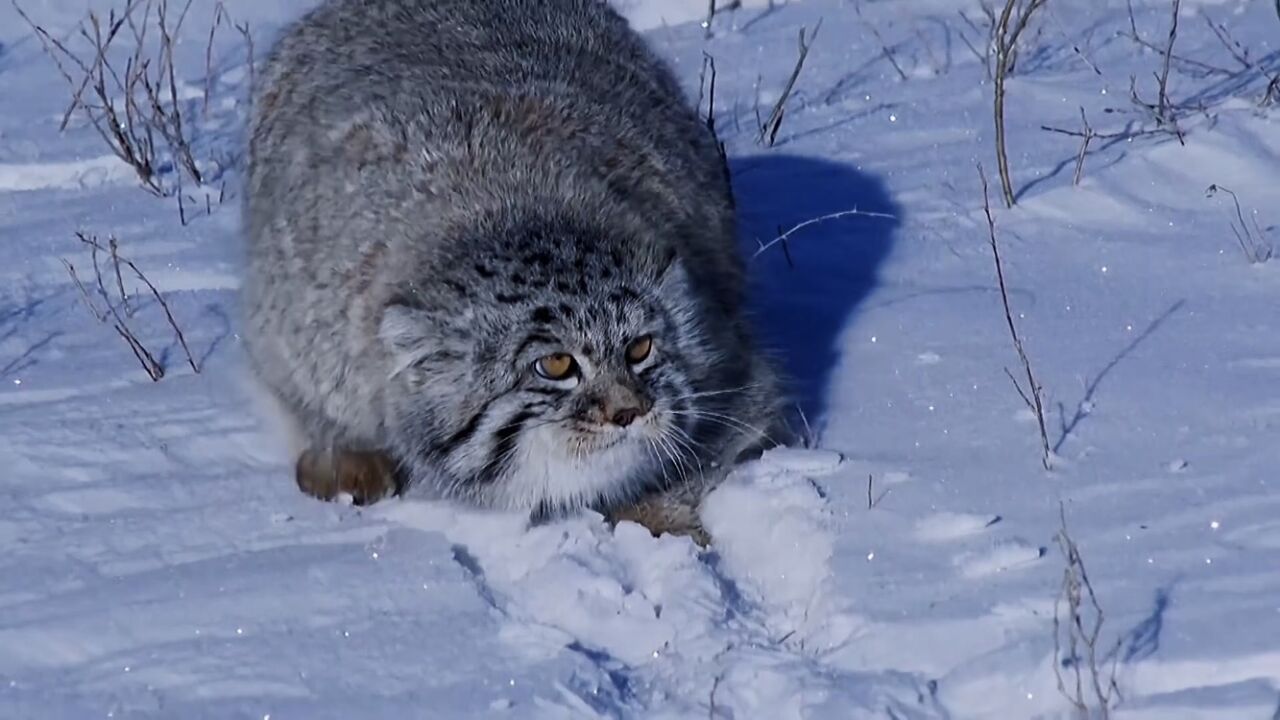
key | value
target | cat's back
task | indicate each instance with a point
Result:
(371, 112)
(407, 58)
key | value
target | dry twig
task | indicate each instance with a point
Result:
(1249, 238)
(782, 237)
(1033, 395)
(1272, 92)
(769, 130)
(873, 499)
(713, 10)
(1163, 106)
(1087, 135)
(153, 368)
(219, 13)
(1164, 111)
(1240, 54)
(243, 29)
(168, 117)
(115, 265)
(1237, 51)
(1084, 147)
(1009, 26)
(128, 106)
(124, 131)
(150, 365)
(709, 62)
(1078, 633)
(1190, 64)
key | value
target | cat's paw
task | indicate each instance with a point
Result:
(664, 514)
(366, 476)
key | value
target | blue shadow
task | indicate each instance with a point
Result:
(804, 293)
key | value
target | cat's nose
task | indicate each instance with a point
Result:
(623, 405)
(631, 408)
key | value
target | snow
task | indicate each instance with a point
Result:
(159, 561)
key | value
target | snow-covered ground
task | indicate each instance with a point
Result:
(159, 563)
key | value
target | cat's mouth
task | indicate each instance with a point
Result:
(597, 438)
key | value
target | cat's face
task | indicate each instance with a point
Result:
(555, 384)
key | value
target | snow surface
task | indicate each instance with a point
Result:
(159, 563)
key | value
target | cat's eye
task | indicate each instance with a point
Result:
(639, 349)
(556, 366)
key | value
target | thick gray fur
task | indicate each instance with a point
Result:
(442, 191)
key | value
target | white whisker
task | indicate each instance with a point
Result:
(726, 420)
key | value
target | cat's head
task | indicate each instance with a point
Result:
(549, 367)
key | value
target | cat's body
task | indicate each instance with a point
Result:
(447, 199)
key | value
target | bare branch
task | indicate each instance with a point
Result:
(1034, 395)
(153, 368)
(169, 119)
(177, 330)
(715, 8)
(123, 137)
(1008, 28)
(1272, 92)
(243, 29)
(1087, 137)
(1196, 65)
(1164, 123)
(1163, 104)
(95, 247)
(115, 265)
(783, 237)
(872, 499)
(769, 130)
(1082, 630)
(1250, 240)
(1018, 387)
(84, 292)
(219, 13)
(1239, 52)
(127, 109)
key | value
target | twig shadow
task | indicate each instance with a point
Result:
(1143, 640)
(12, 319)
(1068, 426)
(224, 330)
(28, 357)
(765, 13)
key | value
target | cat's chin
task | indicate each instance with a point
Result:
(578, 470)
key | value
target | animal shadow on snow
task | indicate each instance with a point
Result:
(804, 295)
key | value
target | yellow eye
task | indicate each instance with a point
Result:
(556, 366)
(639, 349)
